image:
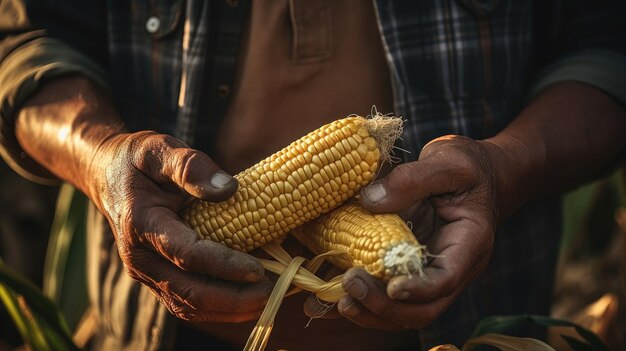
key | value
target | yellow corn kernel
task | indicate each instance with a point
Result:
(380, 243)
(297, 171)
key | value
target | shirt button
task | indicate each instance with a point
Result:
(232, 3)
(153, 24)
(223, 91)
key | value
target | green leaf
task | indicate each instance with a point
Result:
(502, 324)
(24, 325)
(591, 338)
(65, 267)
(576, 344)
(38, 319)
(506, 343)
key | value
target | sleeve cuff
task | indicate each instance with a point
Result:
(21, 74)
(601, 68)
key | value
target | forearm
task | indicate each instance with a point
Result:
(568, 135)
(63, 124)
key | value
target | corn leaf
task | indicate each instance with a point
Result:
(25, 326)
(502, 324)
(36, 317)
(591, 338)
(576, 344)
(64, 270)
(506, 343)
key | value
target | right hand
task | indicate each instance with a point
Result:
(140, 182)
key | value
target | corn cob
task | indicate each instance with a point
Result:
(382, 244)
(311, 176)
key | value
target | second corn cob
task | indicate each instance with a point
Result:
(382, 244)
(310, 177)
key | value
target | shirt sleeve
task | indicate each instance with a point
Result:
(32, 51)
(583, 41)
(603, 69)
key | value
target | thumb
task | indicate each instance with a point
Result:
(407, 184)
(197, 174)
(166, 159)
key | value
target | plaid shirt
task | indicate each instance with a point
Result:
(458, 67)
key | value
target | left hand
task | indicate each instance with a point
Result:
(455, 174)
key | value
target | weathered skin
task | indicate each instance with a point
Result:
(140, 181)
(570, 134)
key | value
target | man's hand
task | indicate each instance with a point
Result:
(571, 133)
(143, 180)
(140, 182)
(454, 174)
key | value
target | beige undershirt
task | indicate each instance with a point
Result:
(305, 63)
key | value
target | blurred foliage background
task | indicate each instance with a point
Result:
(26, 214)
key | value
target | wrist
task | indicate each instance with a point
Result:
(514, 170)
(63, 125)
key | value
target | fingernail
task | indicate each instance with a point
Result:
(374, 193)
(314, 309)
(356, 288)
(403, 295)
(220, 179)
(347, 308)
(252, 277)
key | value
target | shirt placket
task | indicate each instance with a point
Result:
(224, 41)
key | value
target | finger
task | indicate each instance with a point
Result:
(351, 309)
(422, 220)
(164, 233)
(198, 175)
(166, 159)
(191, 296)
(461, 251)
(316, 308)
(365, 289)
(180, 309)
(410, 182)
(366, 301)
(369, 305)
(395, 316)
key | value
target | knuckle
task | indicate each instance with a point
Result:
(130, 226)
(181, 311)
(172, 141)
(459, 153)
(185, 258)
(403, 174)
(131, 272)
(151, 151)
(182, 161)
(177, 304)
(465, 165)
(143, 147)
(132, 263)
(404, 171)
(192, 300)
(135, 261)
